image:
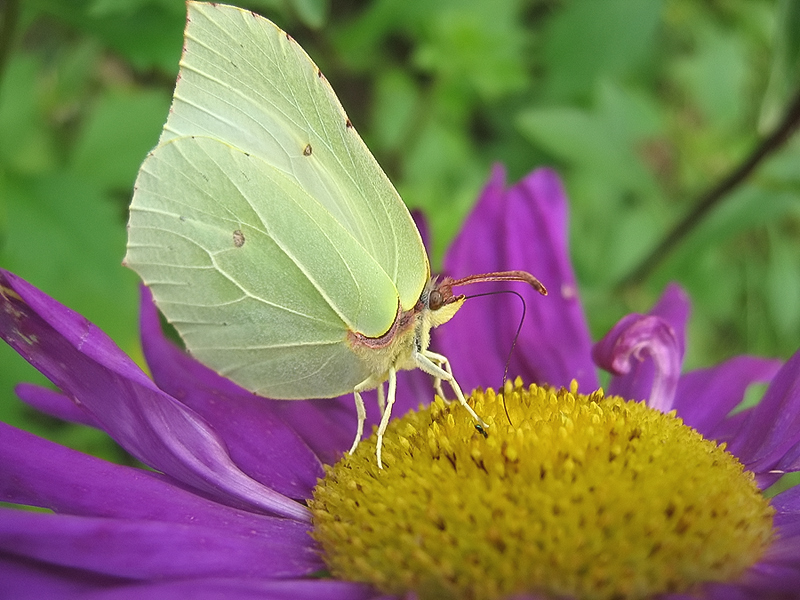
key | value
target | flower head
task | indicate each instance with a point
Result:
(223, 512)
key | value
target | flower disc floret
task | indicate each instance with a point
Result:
(588, 496)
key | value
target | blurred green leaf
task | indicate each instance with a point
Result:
(63, 235)
(476, 45)
(784, 80)
(148, 33)
(602, 141)
(117, 135)
(783, 293)
(27, 141)
(715, 76)
(633, 113)
(396, 105)
(589, 39)
(619, 222)
(749, 207)
(442, 178)
(313, 13)
(781, 170)
(114, 8)
(363, 41)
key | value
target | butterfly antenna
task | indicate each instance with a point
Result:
(448, 283)
(513, 343)
(511, 351)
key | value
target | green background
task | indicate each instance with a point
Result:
(641, 105)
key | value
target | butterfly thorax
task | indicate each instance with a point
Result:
(409, 333)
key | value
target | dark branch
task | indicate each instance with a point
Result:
(713, 196)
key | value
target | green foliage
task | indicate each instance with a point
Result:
(642, 106)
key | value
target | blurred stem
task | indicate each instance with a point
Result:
(9, 15)
(708, 200)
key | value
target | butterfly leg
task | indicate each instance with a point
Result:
(442, 361)
(387, 413)
(381, 398)
(437, 387)
(361, 412)
(427, 361)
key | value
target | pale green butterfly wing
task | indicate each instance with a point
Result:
(247, 83)
(262, 224)
(214, 233)
(269, 235)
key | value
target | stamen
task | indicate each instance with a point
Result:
(585, 496)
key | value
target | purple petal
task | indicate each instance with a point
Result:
(790, 461)
(54, 404)
(787, 507)
(729, 428)
(31, 579)
(719, 591)
(522, 228)
(785, 551)
(258, 440)
(37, 472)
(769, 580)
(143, 549)
(329, 425)
(779, 569)
(414, 389)
(87, 366)
(645, 352)
(477, 249)
(24, 578)
(555, 343)
(242, 589)
(774, 426)
(786, 548)
(706, 396)
(674, 307)
(642, 352)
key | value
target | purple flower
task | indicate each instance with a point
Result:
(222, 512)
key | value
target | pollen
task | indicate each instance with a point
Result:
(583, 496)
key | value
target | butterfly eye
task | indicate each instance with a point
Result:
(435, 300)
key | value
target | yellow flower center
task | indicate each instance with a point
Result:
(586, 496)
